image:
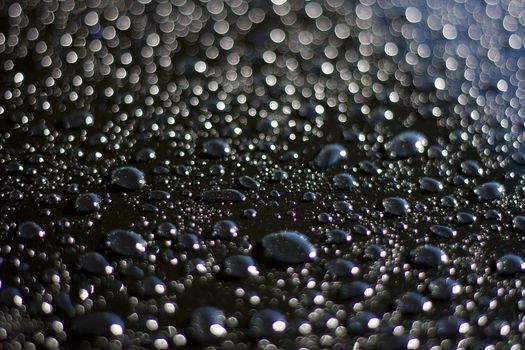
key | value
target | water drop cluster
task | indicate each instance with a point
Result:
(248, 174)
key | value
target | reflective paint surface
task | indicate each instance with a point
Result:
(262, 174)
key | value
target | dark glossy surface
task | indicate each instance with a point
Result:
(257, 174)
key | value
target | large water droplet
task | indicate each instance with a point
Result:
(249, 182)
(30, 230)
(87, 203)
(443, 288)
(344, 182)
(267, 323)
(443, 231)
(207, 324)
(228, 195)
(98, 323)
(428, 256)
(395, 206)
(288, 247)
(94, 263)
(240, 266)
(510, 264)
(225, 229)
(330, 155)
(216, 148)
(126, 243)
(471, 168)
(406, 144)
(128, 178)
(430, 185)
(78, 120)
(489, 191)
(413, 303)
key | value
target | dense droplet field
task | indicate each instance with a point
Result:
(256, 174)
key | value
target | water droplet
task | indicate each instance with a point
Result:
(240, 266)
(471, 168)
(443, 231)
(188, 241)
(10, 296)
(78, 120)
(519, 158)
(166, 230)
(128, 178)
(430, 185)
(228, 195)
(338, 236)
(406, 144)
(126, 243)
(330, 155)
(207, 324)
(413, 303)
(94, 263)
(87, 203)
(373, 252)
(489, 191)
(443, 288)
(510, 264)
(30, 230)
(98, 324)
(355, 290)
(288, 247)
(145, 155)
(428, 256)
(340, 267)
(216, 148)
(249, 182)
(267, 323)
(396, 206)
(225, 229)
(344, 182)
(362, 323)
(466, 218)
(518, 222)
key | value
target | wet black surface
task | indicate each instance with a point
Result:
(259, 174)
